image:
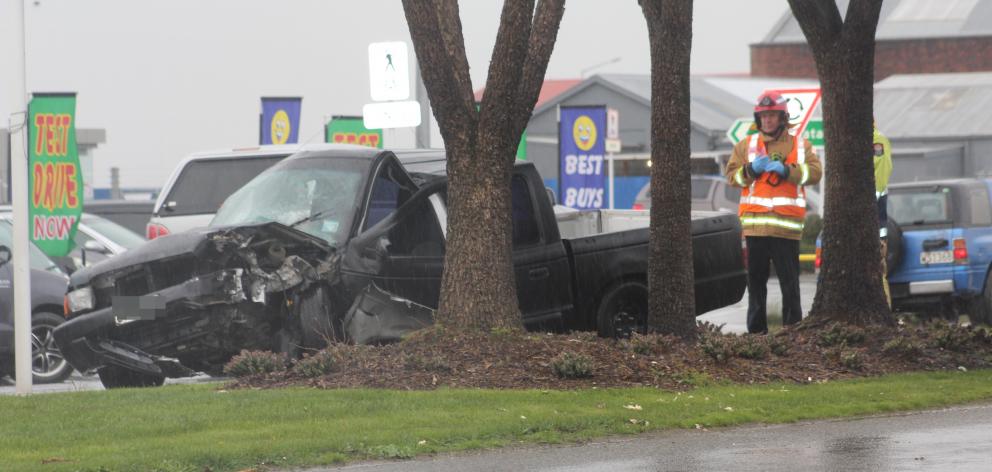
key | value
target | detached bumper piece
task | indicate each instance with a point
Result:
(85, 340)
(378, 317)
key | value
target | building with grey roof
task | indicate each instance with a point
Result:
(913, 36)
(940, 125)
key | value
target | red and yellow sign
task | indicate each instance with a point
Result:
(55, 179)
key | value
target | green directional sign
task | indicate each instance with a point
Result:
(742, 128)
(55, 180)
(814, 132)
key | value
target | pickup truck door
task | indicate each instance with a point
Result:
(540, 262)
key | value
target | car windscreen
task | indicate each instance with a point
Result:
(919, 206)
(118, 234)
(319, 194)
(204, 184)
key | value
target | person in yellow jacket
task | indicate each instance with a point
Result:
(772, 167)
(882, 150)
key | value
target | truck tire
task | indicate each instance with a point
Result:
(112, 376)
(981, 306)
(623, 310)
(894, 254)
(47, 363)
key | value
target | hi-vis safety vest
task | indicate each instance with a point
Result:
(784, 198)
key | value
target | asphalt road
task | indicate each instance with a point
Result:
(954, 439)
(734, 317)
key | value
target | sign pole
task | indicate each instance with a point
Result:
(612, 180)
(19, 176)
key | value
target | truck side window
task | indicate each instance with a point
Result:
(418, 234)
(525, 229)
(389, 191)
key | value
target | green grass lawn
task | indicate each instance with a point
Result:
(195, 427)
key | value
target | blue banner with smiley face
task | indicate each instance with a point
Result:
(583, 167)
(280, 120)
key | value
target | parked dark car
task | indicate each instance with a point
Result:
(131, 214)
(349, 244)
(48, 286)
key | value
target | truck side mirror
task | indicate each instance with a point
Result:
(94, 246)
(4, 255)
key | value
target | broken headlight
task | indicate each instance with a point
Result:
(80, 299)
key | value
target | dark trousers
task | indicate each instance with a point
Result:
(784, 253)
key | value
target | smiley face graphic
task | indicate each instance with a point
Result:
(280, 127)
(584, 132)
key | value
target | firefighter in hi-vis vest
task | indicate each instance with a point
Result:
(772, 166)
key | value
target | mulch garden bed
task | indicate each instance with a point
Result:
(806, 353)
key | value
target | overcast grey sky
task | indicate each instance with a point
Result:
(167, 78)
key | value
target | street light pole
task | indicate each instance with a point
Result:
(19, 196)
(582, 73)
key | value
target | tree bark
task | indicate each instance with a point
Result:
(671, 288)
(478, 290)
(850, 288)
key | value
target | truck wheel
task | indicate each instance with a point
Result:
(981, 306)
(47, 363)
(623, 310)
(113, 376)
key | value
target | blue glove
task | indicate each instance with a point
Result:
(760, 165)
(778, 168)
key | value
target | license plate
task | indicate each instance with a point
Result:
(936, 257)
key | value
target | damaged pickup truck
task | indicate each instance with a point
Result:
(348, 244)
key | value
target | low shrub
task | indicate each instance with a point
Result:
(572, 366)
(718, 348)
(902, 347)
(852, 360)
(751, 347)
(317, 365)
(249, 363)
(839, 334)
(778, 346)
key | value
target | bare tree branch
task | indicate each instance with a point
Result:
(861, 19)
(542, 42)
(508, 58)
(438, 40)
(819, 19)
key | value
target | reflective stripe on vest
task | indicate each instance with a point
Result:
(739, 177)
(771, 220)
(788, 205)
(774, 201)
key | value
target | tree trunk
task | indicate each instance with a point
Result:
(478, 289)
(671, 286)
(850, 288)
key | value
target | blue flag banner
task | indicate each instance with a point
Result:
(280, 120)
(582, 172)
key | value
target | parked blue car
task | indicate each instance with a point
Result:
(947, 247)
(940, 247)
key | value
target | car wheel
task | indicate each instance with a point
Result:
(47, 363)
(623, 310)
(113, 376)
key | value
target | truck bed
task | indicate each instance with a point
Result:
(602, 257)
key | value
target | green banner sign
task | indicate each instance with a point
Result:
(56, 182)
(351, 130)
